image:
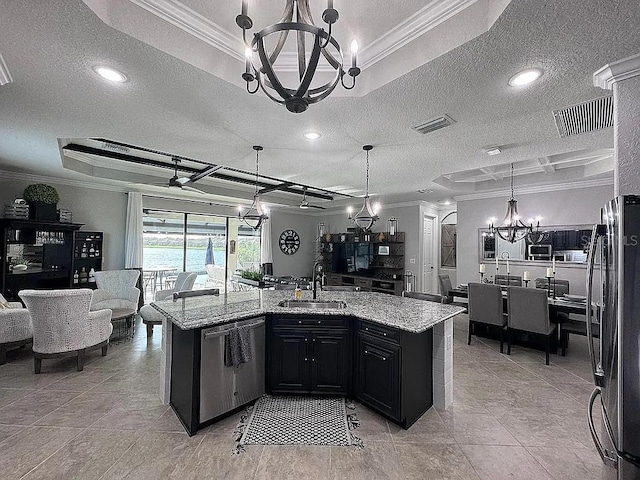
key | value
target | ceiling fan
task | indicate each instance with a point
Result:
(183, 182)
(304, 203)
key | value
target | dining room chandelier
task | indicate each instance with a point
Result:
(367, 215)
(311, 43)
(512, 229)
(256, 214)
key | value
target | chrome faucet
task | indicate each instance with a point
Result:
(318, 275)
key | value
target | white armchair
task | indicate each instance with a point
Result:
(150, 316)
(64, 326)
(116, 289)
(15, 328)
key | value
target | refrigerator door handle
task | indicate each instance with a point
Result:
(598, 373)
(604, 454)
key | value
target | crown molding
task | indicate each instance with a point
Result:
(425, 19)
(190, 21)
(537, 189)
(30, 177)
(616, 72)
(5, 75)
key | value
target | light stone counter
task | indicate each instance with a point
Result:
(407, 314)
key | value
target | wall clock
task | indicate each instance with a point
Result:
(289, 242)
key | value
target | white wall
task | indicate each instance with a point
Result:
(568, 207)
(98, 210)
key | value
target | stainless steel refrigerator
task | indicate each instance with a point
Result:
(616, 366)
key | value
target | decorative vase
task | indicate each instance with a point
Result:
(43, 212)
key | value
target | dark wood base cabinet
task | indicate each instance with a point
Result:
(392, 369)
(308, 355)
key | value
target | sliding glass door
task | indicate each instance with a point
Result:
(206, 245)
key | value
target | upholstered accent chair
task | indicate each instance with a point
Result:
(15, 328)
(150, 316)
(63, 325)
(116, 289)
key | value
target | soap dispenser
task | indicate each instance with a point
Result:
(297, 292)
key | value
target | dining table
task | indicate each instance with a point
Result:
(158, 273)
(559, 304)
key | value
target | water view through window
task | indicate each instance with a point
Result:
(213, 247)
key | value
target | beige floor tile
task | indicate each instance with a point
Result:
(434, 462)
(377, 461)
(153, 456)
(10, 395)
(80, 381)
(477, 429)
(82, 411)
(88, 456)
(428, 429)
(23, 452)
(33, 407)
(504, 463)
(289, 462)
(373, 427)
(511, 372)
(563, 463)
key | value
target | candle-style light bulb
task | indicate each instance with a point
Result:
(329, 4)
(244, 7)
(248, 53)
(349, 211)
(354, 53)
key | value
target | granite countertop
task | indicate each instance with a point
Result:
(408, 314)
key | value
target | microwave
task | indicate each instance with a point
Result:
(540, 252)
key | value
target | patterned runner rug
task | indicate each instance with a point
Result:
(284, 420)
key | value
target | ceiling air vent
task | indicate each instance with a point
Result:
(585, 117)
(435, 124)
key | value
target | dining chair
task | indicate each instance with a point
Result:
(486, 307)
(151, 316)
(529, 312)
(429, 297)
(445, 287)
(340, 288)
(508, 280)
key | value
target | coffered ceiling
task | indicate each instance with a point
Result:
(183, 96)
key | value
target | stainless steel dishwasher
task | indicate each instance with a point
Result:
(224, 388)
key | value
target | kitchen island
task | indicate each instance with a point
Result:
(392, 353)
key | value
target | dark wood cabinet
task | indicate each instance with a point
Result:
(308, 355)
(378, 374)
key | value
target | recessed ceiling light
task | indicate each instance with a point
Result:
(525, 77)
(110, 74)
(492, 151)
(312, 135)
(425, 191)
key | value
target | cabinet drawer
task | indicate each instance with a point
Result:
(363, 282)
(380, 331)
(318, 321)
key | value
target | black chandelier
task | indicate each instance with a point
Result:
(255, 215)
(298, 20)
(367, 215)
(512, 229)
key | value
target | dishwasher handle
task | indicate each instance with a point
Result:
(215, 332)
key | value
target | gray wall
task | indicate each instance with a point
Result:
(299, 264)
(568, 207)
(98, 210)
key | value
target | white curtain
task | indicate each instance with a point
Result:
(266, 252)
(133, 232)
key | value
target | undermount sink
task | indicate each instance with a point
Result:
(316, 304)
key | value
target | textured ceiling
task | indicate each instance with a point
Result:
(50, 47)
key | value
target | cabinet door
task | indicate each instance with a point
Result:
(289, 361)
(378, 375)
(330, 362)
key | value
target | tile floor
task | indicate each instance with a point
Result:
(513, 418)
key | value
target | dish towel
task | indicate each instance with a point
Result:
(237, 347)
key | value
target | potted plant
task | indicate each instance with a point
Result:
(43, 200)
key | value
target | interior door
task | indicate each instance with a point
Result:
(428, 269)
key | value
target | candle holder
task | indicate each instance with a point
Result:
(526, 282)
(549, 287)
(481, 277)
(508, 279)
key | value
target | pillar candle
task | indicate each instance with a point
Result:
(550, 272)
(526, 275)
(508, 269)
(553, 265)
(497, 265)
(483, 268)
